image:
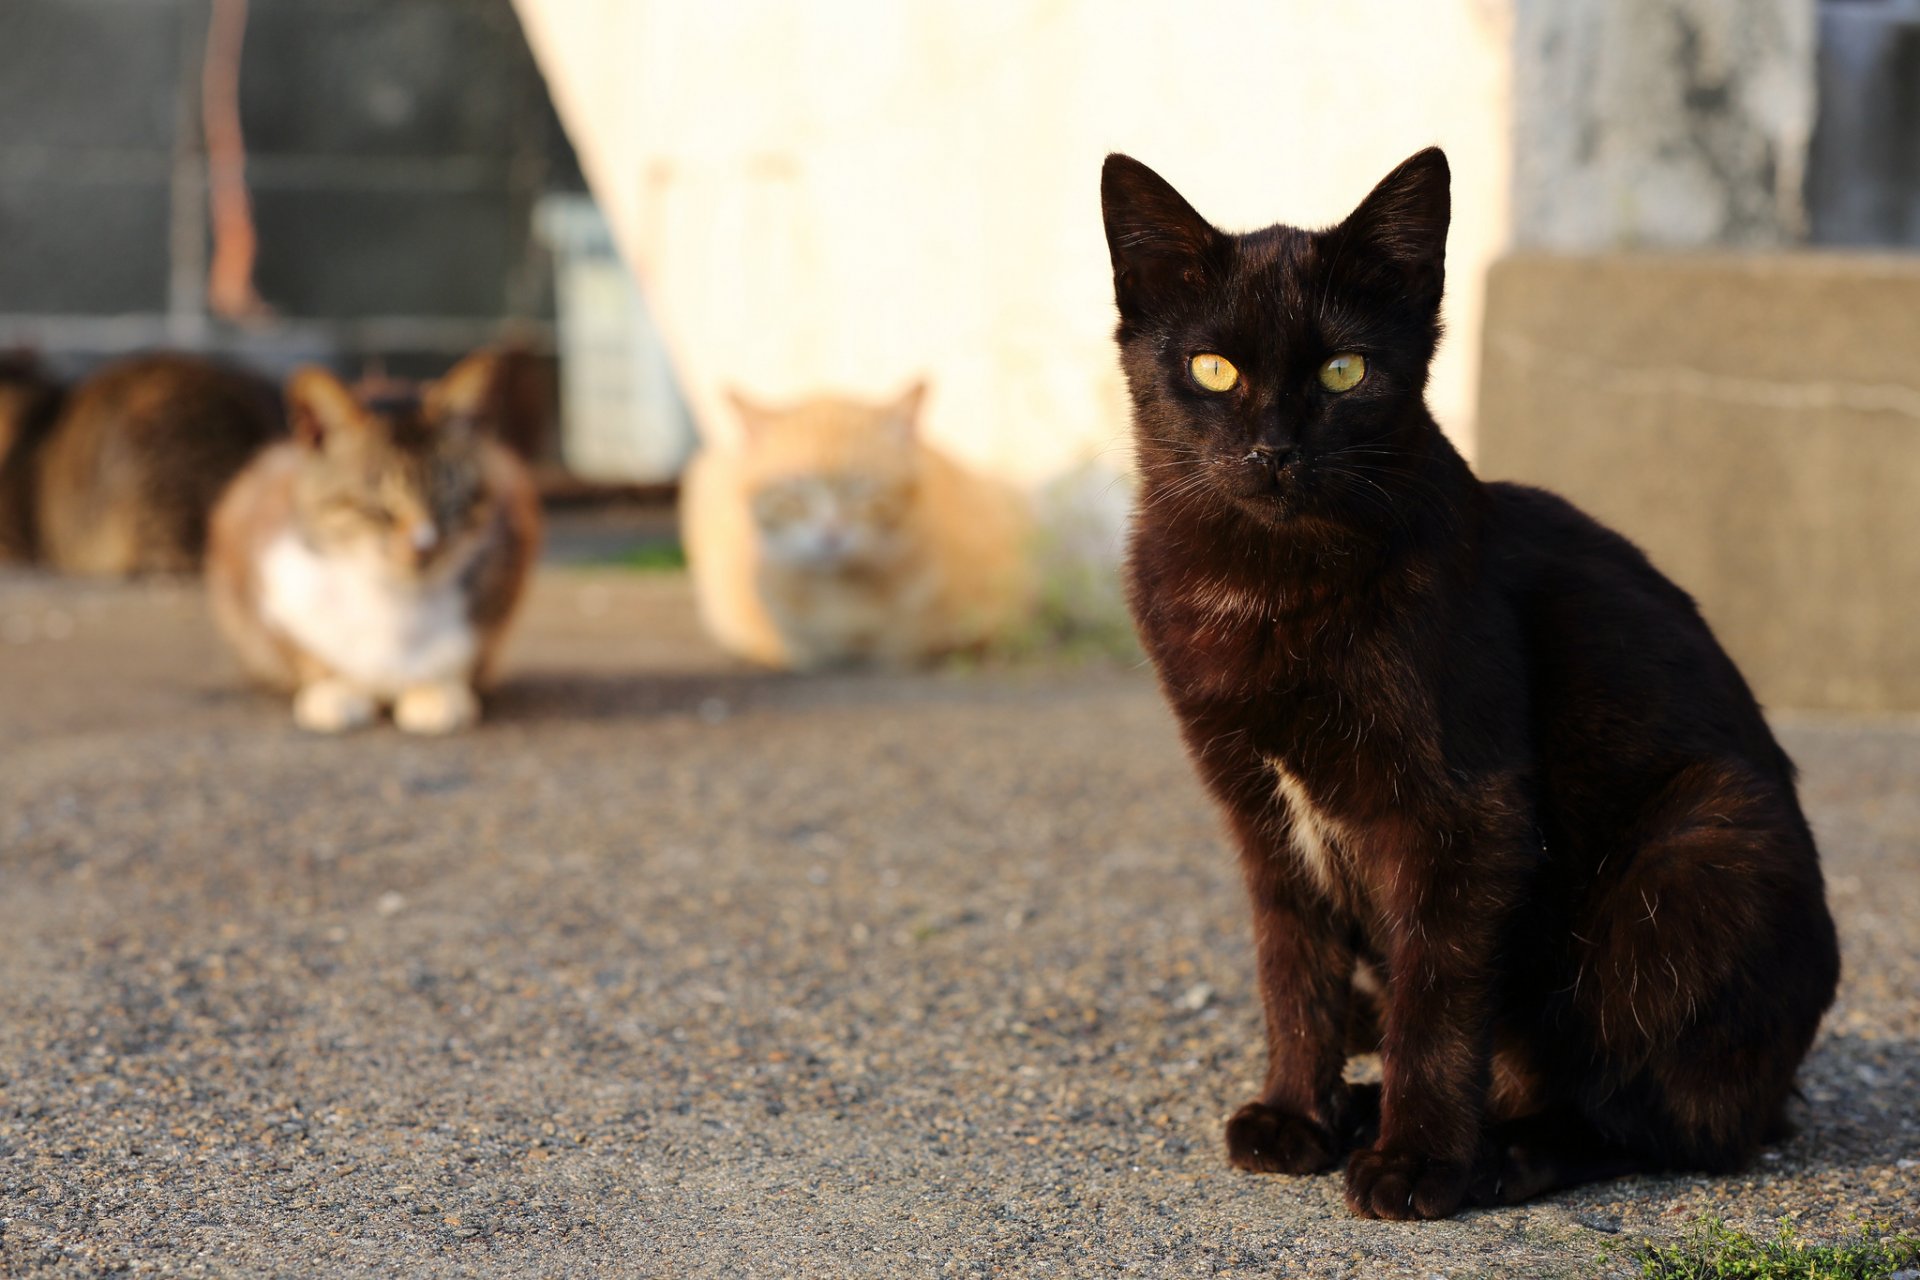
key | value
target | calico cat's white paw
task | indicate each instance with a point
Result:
(332, 706)
(437, 708)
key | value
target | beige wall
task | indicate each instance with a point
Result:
(849, 194)
(1753, 422)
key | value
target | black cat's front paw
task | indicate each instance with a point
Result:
(1405, 1184)
(1264, 1139)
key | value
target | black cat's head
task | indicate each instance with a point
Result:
(1280, 373)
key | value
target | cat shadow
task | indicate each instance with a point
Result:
(551, 697)
(546, 697)
(1859, 1104)
(532, 697)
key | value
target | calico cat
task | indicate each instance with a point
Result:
(376, 559)
(832, 534)
(1479, 756)
(29, 402)
(136, 459)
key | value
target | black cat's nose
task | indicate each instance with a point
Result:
(1271, 456)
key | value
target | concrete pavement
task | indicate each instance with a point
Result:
(676, 970)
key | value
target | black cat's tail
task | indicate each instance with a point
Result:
(1547, 1152)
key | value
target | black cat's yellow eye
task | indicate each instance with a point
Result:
(1213, 372)
(1343, 372)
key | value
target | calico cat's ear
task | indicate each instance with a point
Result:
(1161, 248)
(321, 408)
(1404, 220)
(467, 391)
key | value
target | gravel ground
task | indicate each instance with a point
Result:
(672, 970)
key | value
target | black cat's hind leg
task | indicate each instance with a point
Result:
(1363, 1116)
(1705, 968)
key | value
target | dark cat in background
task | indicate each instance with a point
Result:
(29, 402)
(120, 480)
(1487, 768)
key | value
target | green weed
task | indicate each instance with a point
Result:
(651, 557)
(1715, 1251)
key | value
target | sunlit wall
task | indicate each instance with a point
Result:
(850, 194)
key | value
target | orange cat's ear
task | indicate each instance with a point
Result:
(320, 408)
(468, 391)
(905, 412)
(753, 417)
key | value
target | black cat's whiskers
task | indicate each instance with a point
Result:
(1407, 474)
(1184, 459)
(1363, 472)
(1183, 490)
(1187, 464)
(1375, 496)
(1431, 500)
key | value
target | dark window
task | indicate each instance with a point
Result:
(1863, 178)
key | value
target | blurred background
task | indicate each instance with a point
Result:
(682, 968)
(395, 155)
(1680, 285)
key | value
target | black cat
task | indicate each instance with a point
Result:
(1489, 771)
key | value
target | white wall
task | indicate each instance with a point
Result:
(1661, 123)
(850, 193)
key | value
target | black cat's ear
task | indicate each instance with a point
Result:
(1161, 248)
(1404, 220)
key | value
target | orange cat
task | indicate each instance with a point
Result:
(376, 559)
(831, 533)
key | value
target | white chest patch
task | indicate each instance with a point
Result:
(382, 634)
(1316, 837)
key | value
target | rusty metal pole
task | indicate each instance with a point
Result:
(230, 290)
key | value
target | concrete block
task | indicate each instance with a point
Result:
(1753, 422)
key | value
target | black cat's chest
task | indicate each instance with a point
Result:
(1319, 697)
(1247, 650)
(1341, 781)
(1322, 843)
